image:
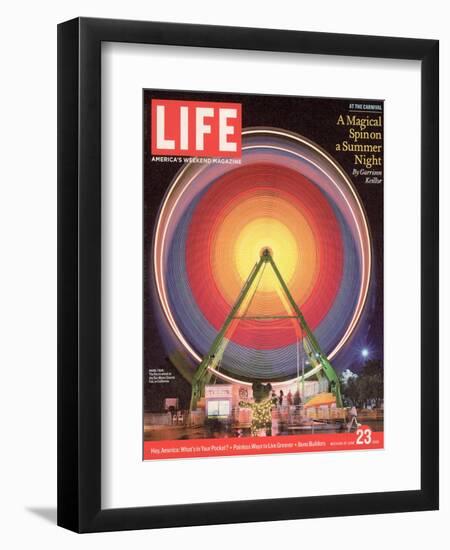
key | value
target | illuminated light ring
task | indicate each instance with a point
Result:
(191, 172)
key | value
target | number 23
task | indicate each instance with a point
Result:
(363, 437)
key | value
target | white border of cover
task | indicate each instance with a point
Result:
(127, 481)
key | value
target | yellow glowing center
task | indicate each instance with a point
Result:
(266, 233)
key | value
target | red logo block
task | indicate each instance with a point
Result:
(196, 128)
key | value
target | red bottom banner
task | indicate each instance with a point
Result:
(361, 439)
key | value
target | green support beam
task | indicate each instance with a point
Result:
(198, 381)
(316, 357)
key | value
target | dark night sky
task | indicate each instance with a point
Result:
(315, 118)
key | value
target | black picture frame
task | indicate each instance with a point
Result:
(79, 274)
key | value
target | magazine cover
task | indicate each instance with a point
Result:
(262, 274)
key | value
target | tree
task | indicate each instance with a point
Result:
(349, 387)
(366, 387)
(374, 374)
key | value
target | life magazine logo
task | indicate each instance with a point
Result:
(196, 128)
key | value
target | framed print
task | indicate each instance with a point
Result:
(248, 275)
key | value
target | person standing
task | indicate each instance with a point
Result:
(289, 398)
(353, 413)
